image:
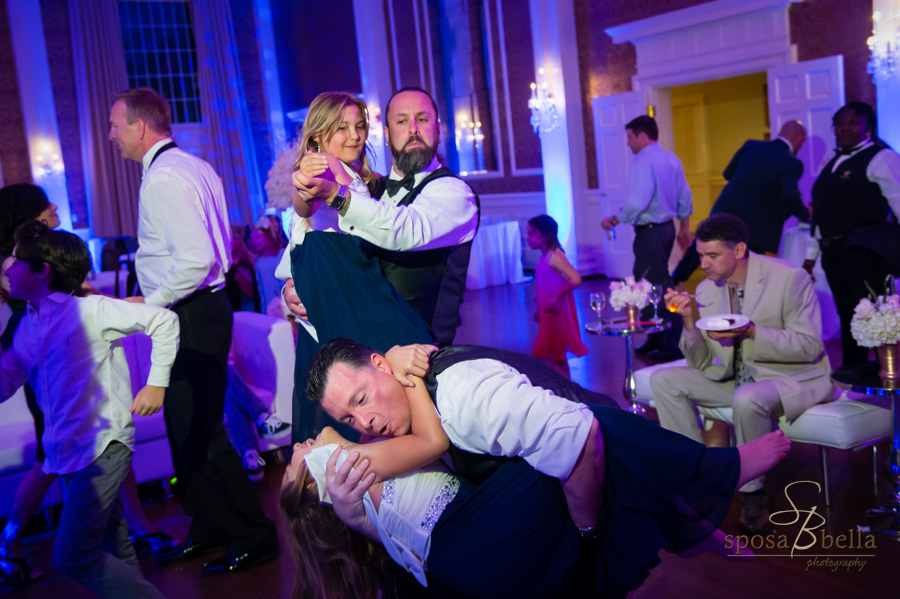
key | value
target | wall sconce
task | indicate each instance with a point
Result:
(47, 163)
(469, 139)
(884, 45)
(543, 106)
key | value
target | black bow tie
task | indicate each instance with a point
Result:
(840, 152)
(393, 185)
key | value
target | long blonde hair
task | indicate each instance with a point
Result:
(323, 121)
(334, 561)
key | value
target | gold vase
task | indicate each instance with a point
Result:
(889, 361)
(631, 313)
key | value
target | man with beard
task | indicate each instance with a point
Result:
(422, 225)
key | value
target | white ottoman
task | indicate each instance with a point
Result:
(842, 424)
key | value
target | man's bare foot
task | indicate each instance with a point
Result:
(761, 454)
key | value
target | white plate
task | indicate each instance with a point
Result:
(722, 322)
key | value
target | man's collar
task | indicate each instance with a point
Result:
(789, 144)
(433, 166)
(148, 157)
(652, 144)
(743, 282)
(55, 297)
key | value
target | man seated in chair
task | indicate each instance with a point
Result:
(774, 364)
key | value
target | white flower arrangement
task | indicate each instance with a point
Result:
(629, 292)
(876, 323)
(279, 188)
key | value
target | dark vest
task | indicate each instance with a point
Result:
(846, 200)
(476, 467)
(431, 281)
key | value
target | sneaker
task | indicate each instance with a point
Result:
(253, 464)
(271, 426)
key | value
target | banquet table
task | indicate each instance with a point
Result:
(496, 257)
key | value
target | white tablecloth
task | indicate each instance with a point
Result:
(496, 257)
(793, 250)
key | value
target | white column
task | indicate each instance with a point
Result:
(374, 73)
(38, 107)
(888, 88)
(562, 150)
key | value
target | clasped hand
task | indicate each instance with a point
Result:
(346, 486)
(319, 177)
(410, 360)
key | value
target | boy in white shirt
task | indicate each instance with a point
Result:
(69, 349)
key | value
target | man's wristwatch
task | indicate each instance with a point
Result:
(341, 198)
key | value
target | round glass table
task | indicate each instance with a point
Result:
(627, 330)
(863, 378)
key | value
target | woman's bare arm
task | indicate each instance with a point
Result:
(401, 455)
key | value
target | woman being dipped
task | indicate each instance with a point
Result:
(342, 287)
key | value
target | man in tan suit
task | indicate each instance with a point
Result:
(773, 365)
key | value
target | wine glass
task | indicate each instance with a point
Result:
(598, 302)
(656, 295)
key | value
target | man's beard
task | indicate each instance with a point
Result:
(410, 161)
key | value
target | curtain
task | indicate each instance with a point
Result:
(226, 119)
(112, 184)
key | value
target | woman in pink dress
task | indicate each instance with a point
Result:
(554, 279)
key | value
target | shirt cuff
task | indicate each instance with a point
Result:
(159, 375)
(361, 207)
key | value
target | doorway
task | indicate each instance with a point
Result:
(710, 122)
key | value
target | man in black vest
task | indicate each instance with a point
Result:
(855, 192)
(423, 224)
(496, 406)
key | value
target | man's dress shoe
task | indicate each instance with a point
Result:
(238, 560)
(184, 552)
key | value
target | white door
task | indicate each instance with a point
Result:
(810, 92)
(611, 114)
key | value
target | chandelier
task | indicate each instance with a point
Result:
(884, 45)
(543, 106)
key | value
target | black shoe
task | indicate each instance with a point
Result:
(662, 355)
(154, 543)
(184, 552)
(755, 515)
(238, 561)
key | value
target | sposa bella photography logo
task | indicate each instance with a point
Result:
(805, 537)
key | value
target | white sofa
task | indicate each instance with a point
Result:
(263, 351)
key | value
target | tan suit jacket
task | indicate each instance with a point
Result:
(788, 346)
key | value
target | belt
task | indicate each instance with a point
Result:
(650, 225)
(832, 241)
(194, 296)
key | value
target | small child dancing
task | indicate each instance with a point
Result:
(69, 349)
(554, 280)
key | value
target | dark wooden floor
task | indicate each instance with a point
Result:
(501, 316)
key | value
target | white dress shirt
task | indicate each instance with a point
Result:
(443, 214)
(184, 234)
(489, 407)
(883, 170)
(70, 351)
(657, 189)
